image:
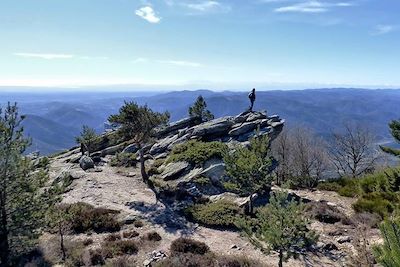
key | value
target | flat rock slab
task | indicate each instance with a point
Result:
(174, 170)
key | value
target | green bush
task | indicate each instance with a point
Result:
(196, 153)
(96, 257)
(130, 234)
(202, 180)
(111, 249)
(221, 213)
(329, 186)
(381, 204)
(189, 259)
(124, 160)
(323, 212)
(383, 181)
(85, 218)
(237, 261)
(43, 163)
(187, 245)
(153, 236)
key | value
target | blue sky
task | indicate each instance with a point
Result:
(200, 43)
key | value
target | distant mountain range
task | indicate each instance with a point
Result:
(54, 119)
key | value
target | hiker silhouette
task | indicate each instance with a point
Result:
(252, 97)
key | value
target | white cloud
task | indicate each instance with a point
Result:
(311, 7)
(44, 56)
(383, 29)
(148, 13)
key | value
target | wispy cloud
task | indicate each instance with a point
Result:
(44, 56)
(207, 6)
(181, 63)
(383, 29)
(148, 13)
(310, 7)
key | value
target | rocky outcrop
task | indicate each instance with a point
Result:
(173, 170)
(208, 177)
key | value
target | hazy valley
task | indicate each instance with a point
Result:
(54, 119)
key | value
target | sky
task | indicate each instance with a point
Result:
(215, 44)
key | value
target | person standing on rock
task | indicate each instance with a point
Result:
(252, 97)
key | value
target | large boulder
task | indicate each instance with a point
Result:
(217, 127)
(130, 149)
(112, 150)
(162, 145)
(181, 124)
(244, 128)
(174, 170)
(214, 169)
(86, 163)
(253, 116)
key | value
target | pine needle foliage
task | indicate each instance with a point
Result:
(250, 168)
(388, 254)
(87, 138)
(199, 109)
(395, 131)
(138, 123)
(280, 226)
(23, 199)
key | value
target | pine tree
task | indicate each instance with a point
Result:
(250, 168)
(199, 109)
(282, 226)
(138, 124)
(87, 138)
(395, 131)
(23, 200)
(388, 254)
(59, 220)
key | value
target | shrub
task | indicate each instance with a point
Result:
(237, 261)
(153, 236)
(196, 153)
(188, 260)
(85, 218)
(123, 261)
(202, 180)
(43, 163)
(351, 188)
(111, 249)
(221, 213)
(74, 254)
(324, 212)
(329, 186)
(130, 234)
(96, 257)
(378, 203)
(124, 160)
(368, 219)
(87, 242)
(186, 245)
(138, 223)
(382, 181)
(112, 237)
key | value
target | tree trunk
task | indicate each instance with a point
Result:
(62, 242)
(145, 177)
(4, 245)
(280, 258)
